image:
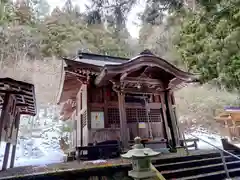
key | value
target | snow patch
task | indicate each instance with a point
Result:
(210, 138)
(39, 148)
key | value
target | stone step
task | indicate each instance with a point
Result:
(213, 175)
(191, 163)
(186, 158)
(199, 170)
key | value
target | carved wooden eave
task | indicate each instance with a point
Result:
(139, 85)
(149, 62)
(223, 117)
(67, 109)
(82, 67)
(70, 88)
(75, 74)
(24, 94)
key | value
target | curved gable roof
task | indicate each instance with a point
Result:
(144, 59)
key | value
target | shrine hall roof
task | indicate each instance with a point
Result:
(100, 60)
(101, 63)
(105, 68)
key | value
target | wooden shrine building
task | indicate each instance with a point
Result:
(230, 121)
(16, 98)
(111, 98)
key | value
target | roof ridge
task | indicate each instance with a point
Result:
(100, 57)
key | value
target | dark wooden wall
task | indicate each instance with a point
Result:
(106, 100)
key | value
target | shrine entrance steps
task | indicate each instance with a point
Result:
(198, 167)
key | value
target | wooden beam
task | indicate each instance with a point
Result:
(12, 82)
(123, 76)
(27, 113)
(17, 92)
(76, 74)
(120, 86)
(143, 81)
(174, 82)
(22, 105)
(142, 91)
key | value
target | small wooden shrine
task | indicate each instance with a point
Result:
(16, 98)
(230, 120)
(110, 98)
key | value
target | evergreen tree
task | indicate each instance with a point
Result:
(24, 13)
(209, 42)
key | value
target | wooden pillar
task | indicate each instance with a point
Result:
(164, 117)
(123, 119)
(106, 100)
(171, 120)
(17, 120)
(2, 122)
(4, 112)
(81, 126)
(13, 156)
(226, 126)
(235, 129)
(6, 155)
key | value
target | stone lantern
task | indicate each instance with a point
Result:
(141, 161)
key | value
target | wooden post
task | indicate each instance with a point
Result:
(6, 155)
(164, 117)
(4, 112)
(17, 120)
(228, 129)
(171, 120)
(2, 121)
(81, 126)
(105, 100)
(13, 156)
(123, 120)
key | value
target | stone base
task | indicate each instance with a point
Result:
(142, 175)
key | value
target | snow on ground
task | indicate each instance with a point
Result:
(44, 148)
(38, 148)
(205, 137)
(36, 152)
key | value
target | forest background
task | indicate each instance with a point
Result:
(199, 36)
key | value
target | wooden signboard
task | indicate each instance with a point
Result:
(142, 125)
(97, 120)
